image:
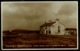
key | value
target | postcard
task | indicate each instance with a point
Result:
(39, 25)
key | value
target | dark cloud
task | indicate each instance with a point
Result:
(68, 9)
(28, 10)
(32, 15)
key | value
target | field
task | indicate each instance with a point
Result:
(33, 40)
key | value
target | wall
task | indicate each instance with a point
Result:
(54, 29)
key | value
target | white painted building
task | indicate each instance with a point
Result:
(54, 28)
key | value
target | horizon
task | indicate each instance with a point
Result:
(26, 29)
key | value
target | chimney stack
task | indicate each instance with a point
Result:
(57, 20)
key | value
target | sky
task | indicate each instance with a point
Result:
(31, 15)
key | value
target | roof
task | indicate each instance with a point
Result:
(70, 29)
(47, 24)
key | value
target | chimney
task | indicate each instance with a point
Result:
(57, 20)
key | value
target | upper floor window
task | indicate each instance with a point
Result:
(58, 29)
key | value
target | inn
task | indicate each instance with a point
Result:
(54, 28)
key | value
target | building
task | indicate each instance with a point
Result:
(70, 31)
(54, 28)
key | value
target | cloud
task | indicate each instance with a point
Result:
(68, 9)
(32, 15)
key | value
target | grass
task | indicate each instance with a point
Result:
(39, 39)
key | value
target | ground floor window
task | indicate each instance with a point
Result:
(48, 32)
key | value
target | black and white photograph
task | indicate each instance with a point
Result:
(38, 25)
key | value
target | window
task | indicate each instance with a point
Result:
(46, 32)
(49, 32)
(58, 29)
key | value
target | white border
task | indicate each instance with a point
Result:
(39, 1)
(37, 48)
